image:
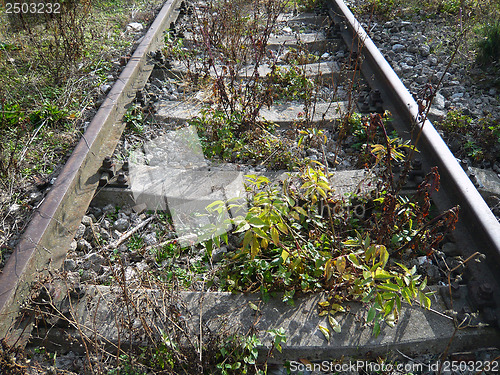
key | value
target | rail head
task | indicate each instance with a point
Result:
(46, 240)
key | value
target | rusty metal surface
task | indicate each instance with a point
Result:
(46, 240)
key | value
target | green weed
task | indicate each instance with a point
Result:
(489, 44)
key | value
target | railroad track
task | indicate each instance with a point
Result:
(44, 245)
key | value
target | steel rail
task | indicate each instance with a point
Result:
(481, 223)
(46, 240)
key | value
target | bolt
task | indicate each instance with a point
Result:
(416, 165)
(464, 164)
(473, 178)
(375, 97)
(485, 291)
(365, 106)
(104, 179)
(107, 163)
(121, 179)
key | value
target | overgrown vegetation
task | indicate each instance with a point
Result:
(297, 237)
(480, 139)
(51, 69)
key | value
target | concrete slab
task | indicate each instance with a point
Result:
(106, 315)
(326, 72)
(311, 42)
(304, 19)
(284, 115)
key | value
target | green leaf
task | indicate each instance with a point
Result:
(398, 303)
(256, 222)
(388, 307)
(321, 192)
(424, 300)
(254, 248)
(389, 286)
(242, 227)
(334, 324)
(381, 274)
(253, 306)
(336, 307)
(376, 329)
(354, 259)
(423, 284)
(406, 295)
(247, 239)
(209, 247)
(340, 264)
(371, 314)
(275, 235)
(325, 331)
(260, 233)
(300, 210)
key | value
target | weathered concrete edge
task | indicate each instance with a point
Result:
(418, 330)
(46, 240)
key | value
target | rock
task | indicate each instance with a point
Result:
(311, 151)
(425, 50)
(104, 235)
(14, 207)
(432, 60)
(149, 239)
(73, 246)
(87, 220)
(80, 232)
(140, 208)
(436, 115)
(121, 225)
(135, 27)
(398, 47)
(105, 224)
(83, 245)
(105, 88)
(94, 262)
(432, 272)
(130, 273)
(218, 254)
(88, 275)
(492, 92)
(69, 265)
(109, 209)
(439, 101)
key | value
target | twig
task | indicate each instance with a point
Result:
(126, 235)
